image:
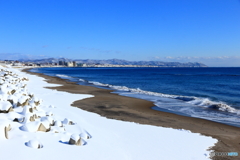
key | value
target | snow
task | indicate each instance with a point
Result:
(26, 110)
(101, 138)
(22, 99)
(49, 113)
(58, 123)
(34, 144)
(50, 120)
(31, 126)
(67, 121)
(84, 136)
(5, 105)
(75, 137)
(13, 98)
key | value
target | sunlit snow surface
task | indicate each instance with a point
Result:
(102, 138)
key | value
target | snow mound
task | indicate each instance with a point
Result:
(58, 123)
(75, 139)
(67, 121)
(34, 144)
(85, 136)
(5, 107)
(56, 129)
(48, 120)
(31, 126)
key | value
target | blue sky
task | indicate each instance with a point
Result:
(171, 30)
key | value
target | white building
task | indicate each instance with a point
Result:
(70, 64)
(17, 64)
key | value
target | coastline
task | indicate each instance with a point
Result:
(118, 107)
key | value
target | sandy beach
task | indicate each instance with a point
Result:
(123, 108)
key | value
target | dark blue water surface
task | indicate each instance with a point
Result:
(209, 93)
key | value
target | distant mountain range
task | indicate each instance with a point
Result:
(119, 62)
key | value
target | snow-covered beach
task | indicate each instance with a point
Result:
(101, 138)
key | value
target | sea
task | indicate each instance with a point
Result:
(207, 93)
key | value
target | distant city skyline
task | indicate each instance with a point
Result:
(225, 61)
(161, 30)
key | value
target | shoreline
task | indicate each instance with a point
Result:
(123, 108)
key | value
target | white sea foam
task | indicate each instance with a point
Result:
(82, 80)
(63, 76)
(98, 83)
(205, 102)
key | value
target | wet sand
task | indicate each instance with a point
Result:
(123, 108)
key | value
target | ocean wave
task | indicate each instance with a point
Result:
(201, 102)
(98, 83)
(205, 102)
(81, 80)
(63, 76)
